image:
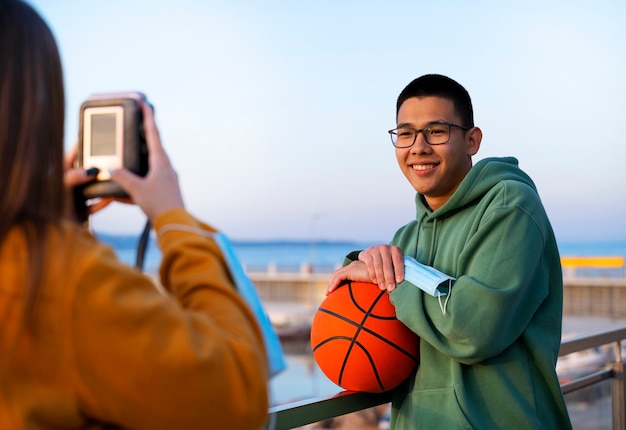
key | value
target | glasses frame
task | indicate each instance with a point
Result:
(418, 131)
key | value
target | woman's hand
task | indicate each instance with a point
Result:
(72, 178)
(158, 191)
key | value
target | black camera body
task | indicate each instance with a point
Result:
(111, 135)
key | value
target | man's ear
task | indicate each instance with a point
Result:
(474, 137)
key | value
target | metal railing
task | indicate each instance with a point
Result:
(301, 413)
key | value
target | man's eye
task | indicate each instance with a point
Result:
(404, 134)
(435, 130)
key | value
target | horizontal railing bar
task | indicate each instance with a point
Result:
(300, 413)
(587, 380)
(586, 341)
(297, 414)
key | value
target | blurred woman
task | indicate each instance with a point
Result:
(87, 341)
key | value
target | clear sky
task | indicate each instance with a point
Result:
(275, 112)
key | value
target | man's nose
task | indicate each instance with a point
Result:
(420, 145)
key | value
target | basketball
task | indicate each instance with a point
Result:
(358, 342)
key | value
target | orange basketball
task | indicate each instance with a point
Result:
(359, 343)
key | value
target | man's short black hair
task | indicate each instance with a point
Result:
(434, 85)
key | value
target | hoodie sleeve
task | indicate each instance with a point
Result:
(504, 269)
(191, 358)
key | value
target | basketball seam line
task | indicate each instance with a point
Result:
(369, 331)
(358, 330)
(371, 360)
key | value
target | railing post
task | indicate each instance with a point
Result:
(618, 396)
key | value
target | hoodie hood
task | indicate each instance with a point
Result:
(479, 180)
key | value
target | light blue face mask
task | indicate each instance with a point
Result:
(429, 280)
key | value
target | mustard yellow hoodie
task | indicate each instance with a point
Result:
(106, 348)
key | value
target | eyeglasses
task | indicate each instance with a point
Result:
(435, 134)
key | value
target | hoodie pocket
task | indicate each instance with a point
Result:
(433, 409)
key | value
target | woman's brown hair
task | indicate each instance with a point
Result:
(32, 113)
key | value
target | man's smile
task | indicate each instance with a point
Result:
(423, 167)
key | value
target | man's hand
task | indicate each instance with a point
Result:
(355, 271)
(384, 264)
(379, 264)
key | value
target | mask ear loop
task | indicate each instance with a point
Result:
(445, 304)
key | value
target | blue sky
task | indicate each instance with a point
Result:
(275, 113)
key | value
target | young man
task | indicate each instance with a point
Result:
(484, 291)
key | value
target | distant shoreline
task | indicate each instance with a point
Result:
(107, 237)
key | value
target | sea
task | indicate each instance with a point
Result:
(321, 256)
(302, 378)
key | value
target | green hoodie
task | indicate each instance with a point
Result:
(489, 361)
